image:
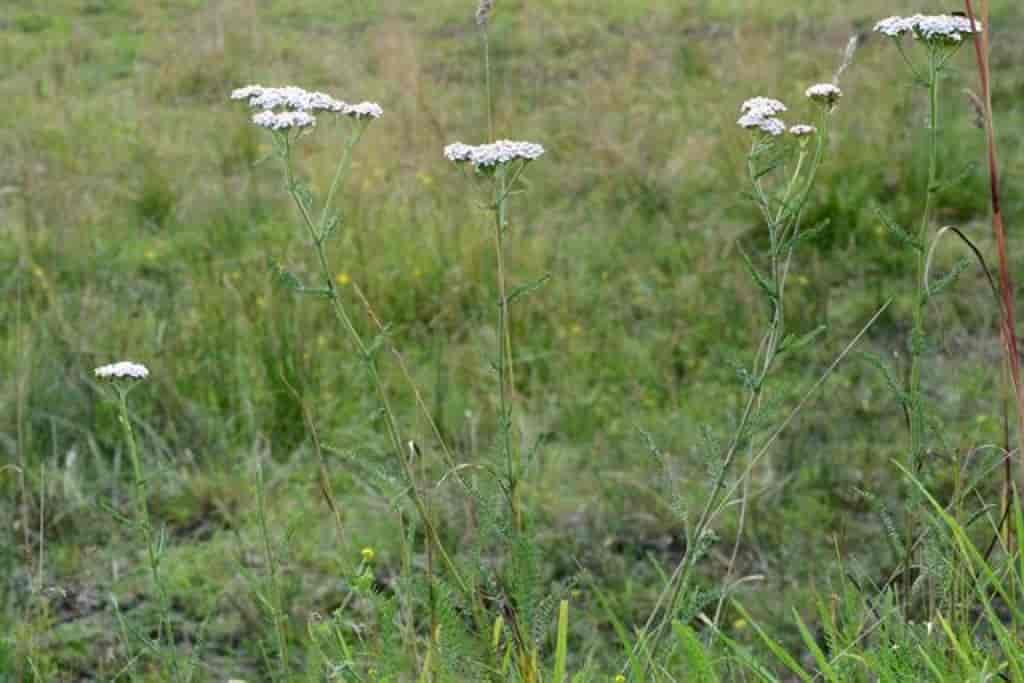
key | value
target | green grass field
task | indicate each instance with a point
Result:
(140, 219)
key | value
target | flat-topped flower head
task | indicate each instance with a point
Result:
(125, 370)
(933, 28)
(363, 110)
(944, 28)
(494, 154)
(284, 120)
(289, 97)
(759, 121)
(824, 93)
(802, 130)
(765, 106)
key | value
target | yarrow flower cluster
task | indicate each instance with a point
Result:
(802, 130)
(936, 28)
(758, 113)
(284, 120)
(298, 106)
(493, 154)
(363, 110)
(121, 371)
(824, 93)
(762, 105)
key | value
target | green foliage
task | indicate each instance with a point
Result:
(146, 218)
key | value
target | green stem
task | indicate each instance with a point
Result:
(917, 338)
(506, 382)
(142, 520)
(340, 172)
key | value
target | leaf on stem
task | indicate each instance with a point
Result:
(901, 235)
(765, 283)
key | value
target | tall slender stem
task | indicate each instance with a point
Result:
(142, 520)
(506, 382)
(917, 338)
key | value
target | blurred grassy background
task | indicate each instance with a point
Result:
(137, 222)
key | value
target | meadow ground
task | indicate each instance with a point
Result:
(137, 221)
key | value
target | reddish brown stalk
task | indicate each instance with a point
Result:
(1009, 334)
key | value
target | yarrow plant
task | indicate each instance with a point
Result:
(501, 163)
(781, 205)
(122, 377)
(941, 36)
(320, 226)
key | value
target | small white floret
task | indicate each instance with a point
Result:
(319, 101)
(458, 152)
(824, 93)
(284, 120)
(894, 27)
(756, 120)
(125, 370)
(363, 110)
(802, 130)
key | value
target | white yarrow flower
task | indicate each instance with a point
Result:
(935, 28)
(284, 120)
(802, 130)
(319, 101)
(824, 93)
(757, 120)
(763, 105)
(894, 27)
(494, 154)
(363, 110)
(123, 370)
(944, 28)
(289, 97)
